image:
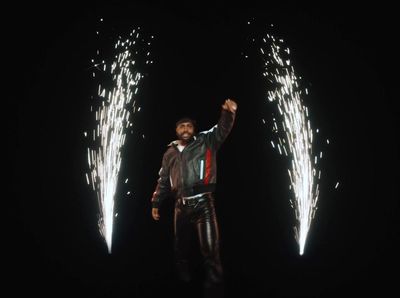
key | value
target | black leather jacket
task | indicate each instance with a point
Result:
(194, 170)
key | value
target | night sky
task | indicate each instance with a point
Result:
(344, 56)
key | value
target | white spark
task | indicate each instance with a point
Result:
(112, 117)
(87, 179)
(298, 133)
(337, 184)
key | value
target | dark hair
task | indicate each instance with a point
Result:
(186, 119)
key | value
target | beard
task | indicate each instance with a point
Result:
(185, 137)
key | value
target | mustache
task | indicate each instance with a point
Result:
(183, 133)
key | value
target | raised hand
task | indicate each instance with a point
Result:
(230, 105)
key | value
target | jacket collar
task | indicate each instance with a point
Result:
(176, 142)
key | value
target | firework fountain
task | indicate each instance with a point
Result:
(113, 117)
(295, 127)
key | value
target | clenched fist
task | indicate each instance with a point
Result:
(230, 105)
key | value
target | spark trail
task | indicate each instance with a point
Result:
(297, 140)
(113, 119)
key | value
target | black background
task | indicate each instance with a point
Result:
(346, 57)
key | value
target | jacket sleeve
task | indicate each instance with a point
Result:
(163, 187)
(217, 135)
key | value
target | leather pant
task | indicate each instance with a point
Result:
(197, 215)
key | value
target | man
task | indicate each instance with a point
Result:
(189, 172)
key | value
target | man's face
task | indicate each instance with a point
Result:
(185, 131)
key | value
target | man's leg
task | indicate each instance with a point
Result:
(207, 229)
(182, 228)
